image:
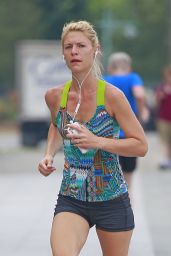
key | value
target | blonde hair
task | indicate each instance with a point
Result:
(119, 60)
(88, 29)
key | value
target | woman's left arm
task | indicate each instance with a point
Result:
(135, 143)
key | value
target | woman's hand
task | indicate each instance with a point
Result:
(81, 137)
(45, 166)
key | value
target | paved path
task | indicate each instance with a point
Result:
(27, 201)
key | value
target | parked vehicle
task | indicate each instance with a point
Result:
(39, 66)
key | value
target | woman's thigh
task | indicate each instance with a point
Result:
(114, 243)
(69, 233)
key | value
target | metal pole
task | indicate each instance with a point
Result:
(106, 35)
(169, 30)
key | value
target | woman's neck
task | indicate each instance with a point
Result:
(86, 83)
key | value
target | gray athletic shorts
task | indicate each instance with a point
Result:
(112, 215)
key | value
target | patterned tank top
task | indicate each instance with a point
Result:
(95, 175)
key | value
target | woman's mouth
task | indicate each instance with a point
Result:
(75, 60)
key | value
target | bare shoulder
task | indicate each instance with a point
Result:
(114, 99)
(52, 96)
(113, 94)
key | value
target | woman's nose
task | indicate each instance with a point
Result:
(74, 50)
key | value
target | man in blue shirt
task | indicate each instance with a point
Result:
(131, 84)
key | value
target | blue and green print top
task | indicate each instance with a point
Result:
(95, 175)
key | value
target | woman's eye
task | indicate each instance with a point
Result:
(81, 45)
(67, 46)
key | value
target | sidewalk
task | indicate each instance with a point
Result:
(27, 201)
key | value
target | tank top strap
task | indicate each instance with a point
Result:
(101, 92)
(64, 95)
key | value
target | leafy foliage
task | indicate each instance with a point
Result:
(147, 42)
(18, 20)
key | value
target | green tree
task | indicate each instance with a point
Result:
(55, 13)
(42, 19)
(18, 20)
(139, 28)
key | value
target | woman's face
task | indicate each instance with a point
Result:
(78, 52)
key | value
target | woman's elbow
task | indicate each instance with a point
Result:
(143, 149)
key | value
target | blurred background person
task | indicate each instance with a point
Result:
(163, 100)
(120, 74)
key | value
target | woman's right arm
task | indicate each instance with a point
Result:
(53, 140)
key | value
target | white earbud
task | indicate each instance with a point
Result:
(63, 58)
(96, 52)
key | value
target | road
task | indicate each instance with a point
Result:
(27, 200)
